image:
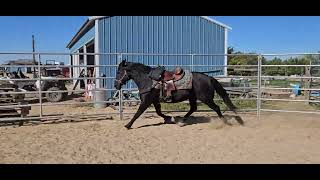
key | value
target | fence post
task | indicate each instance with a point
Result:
(308, 83)
(120, 105)
(97, 76)
(120, 92)
(39, 78)
(259, 88)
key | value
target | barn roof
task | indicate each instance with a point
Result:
(90, 23)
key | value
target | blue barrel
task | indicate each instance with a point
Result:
(296, 89)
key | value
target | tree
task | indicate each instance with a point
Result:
(230, 50)
(238, 58)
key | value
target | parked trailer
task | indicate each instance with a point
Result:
(237, 87)
(14, 100)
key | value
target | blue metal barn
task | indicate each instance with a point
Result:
(152, 35)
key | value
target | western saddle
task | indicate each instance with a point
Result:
(175, 75)
(168, 79)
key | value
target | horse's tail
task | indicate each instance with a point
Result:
(223, 94)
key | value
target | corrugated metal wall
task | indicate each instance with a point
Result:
(161, 35)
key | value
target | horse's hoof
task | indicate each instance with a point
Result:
(173, 119)
(128, 127)
(181, 124)
(239, 120)
(226, 122)
(169, 120)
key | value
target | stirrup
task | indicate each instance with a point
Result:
(167, 99)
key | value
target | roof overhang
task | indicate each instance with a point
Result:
(89, 23)
(82, 30)
(216, 22)
(97, 17)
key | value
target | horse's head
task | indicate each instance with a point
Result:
(122, 75)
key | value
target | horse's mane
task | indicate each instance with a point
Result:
(140, 67)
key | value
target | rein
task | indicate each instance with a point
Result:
(124, 75)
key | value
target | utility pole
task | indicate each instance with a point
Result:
(34, 58)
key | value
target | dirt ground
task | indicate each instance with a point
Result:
(277, 138)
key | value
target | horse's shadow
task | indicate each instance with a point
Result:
(148, 125)
(194, 120)
(198, 120)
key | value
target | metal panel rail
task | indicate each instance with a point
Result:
(193, 65)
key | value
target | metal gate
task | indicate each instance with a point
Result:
(105, 67)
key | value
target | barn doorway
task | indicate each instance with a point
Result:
(90, 61)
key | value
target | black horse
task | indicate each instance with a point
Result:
(203, 87)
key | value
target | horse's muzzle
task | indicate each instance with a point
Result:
(117, 85)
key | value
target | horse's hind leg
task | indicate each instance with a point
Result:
(193, 108)
(216, 108)
(167, 119)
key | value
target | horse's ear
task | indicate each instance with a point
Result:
(123, 63)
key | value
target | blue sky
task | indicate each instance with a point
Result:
(261, 34)
(52, 33)
(273, 34)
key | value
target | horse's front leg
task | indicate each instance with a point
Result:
(143, 106)
(167, 119)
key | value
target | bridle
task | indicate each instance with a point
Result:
(124, 75)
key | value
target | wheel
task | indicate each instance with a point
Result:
(54, 97)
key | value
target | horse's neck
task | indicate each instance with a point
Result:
(142, 80)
